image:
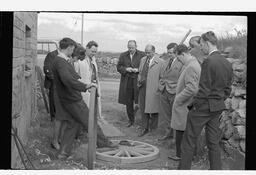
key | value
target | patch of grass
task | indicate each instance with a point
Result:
(238, 42)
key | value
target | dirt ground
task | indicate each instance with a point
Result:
(44, 157)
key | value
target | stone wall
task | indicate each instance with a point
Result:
(107, 67)
(24, 77)
(233, 120)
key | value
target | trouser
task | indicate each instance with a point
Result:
(195, 123)
(79, 114)
(166, 103)
(149, 121)
(51, 101)
(179, 135)
(130, 99)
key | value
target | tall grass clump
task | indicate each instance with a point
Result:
(238, 42)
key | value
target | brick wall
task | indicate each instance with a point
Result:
(24, 77)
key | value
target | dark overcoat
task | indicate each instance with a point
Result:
(48, 68)
(123, 63)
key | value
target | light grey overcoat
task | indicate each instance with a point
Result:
(187, 88)
(152, 93)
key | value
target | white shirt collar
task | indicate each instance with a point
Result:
(212, 52)
(62, 55)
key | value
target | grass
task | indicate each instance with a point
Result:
(238, 42)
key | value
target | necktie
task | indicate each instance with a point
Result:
(147, 64)
(169, 64)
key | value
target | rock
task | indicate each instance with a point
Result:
(239, 92)
(233, 88)
(231, 60)
(229, 130)
(235, 102)
(228, 103)
(239, 71)
(240, 130)
(235, 159)
(241, 112)
(239, 66)
(236, 119)
(224, 117)
(242, 104)
(242, 145)
(234, 142)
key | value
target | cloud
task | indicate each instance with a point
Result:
(113, 31)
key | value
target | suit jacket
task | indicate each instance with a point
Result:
(68, 86)
(123, 63)
(215, 83)
(48, 68)
(152, 95)
(169, 77)
(187, 87)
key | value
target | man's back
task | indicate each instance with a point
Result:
(48, 68)
(66, 80)
(215, 81)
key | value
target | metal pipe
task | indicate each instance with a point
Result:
(82, 32)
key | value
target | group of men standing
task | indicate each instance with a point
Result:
(188, 90)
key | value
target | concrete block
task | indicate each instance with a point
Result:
(18, 52)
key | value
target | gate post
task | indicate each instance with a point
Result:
(92, 128)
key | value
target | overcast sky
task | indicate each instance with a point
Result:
(112, 31)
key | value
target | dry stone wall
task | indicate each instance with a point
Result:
(233, 120)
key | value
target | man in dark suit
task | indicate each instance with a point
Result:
(169, 75)
(214, 87)
(69, 90)
(128, 66)
(49, 84)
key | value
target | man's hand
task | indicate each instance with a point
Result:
(92, 85)
(135, 70)
(129, 69)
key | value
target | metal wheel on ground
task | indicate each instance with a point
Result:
(128, 151)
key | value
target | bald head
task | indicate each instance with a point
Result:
(150, 47)
(150, 50)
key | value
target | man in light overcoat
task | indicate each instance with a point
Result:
(148, 89)
(187, 88)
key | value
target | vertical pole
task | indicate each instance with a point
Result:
(82, 32)
(92, 129)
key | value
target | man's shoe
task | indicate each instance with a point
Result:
(144, 131)
(165, 137)
(63, 156)
(168, 135)
(176, 158)
(55, 145)
(112, 145)
(129, 124)
(108, 145)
